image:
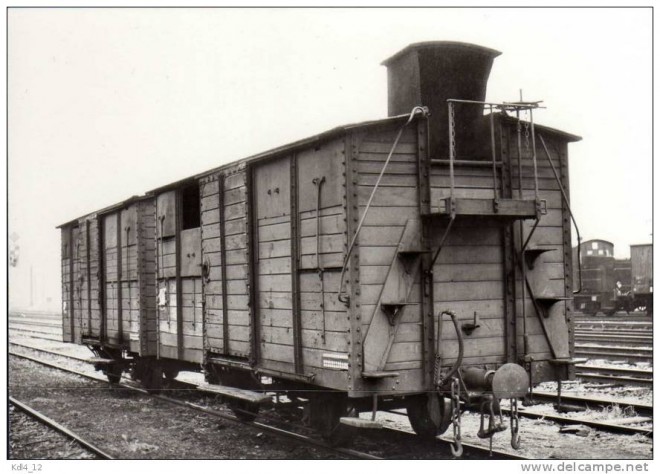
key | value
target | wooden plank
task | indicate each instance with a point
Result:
(335, 243)
(328, 261)
(236, 257)
(281, 248)
(462, 291)
(237, 287)
(276, 317)
(338, 341)
(392, 196)
(236, 242)
(274, 232)
(334, 320)
(236, 226)
(492, 326)
(385, 148)
(235, 180)
(239, 348)
(210, 217)
(311, 301)
(275, 266)
(389, 216)
(268, 283)
(396, 157)
(279, 300)
(375, 167)
(235, 211)
(276, 352)
(388, 135)
(333, 224)
(277, 335)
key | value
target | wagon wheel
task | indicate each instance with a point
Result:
(170, 372)
(327, 410)
(113, 372)
(429, 415)
(152, 377)
(244, 411)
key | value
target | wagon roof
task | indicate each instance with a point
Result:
(106, 210)
(337, 131)
(305, 142)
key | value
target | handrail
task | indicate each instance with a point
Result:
(568, 206)
(419, 109)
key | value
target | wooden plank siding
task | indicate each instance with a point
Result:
(394, 203)
(77, 286)
(179, 286)
(469, 273)
(227, 315)
(128, 267)
(67, 300)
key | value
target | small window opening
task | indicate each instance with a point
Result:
(190, 207)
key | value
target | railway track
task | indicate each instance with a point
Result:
(630, 354)
(590, 373)
(35, 334)
(593, 403)
(470, 450)
(614, 338)
(636, 316)
(634, 377)
(52, 424)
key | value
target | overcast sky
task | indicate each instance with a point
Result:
(105, 104)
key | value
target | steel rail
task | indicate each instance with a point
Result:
(30, 322)
(467, 447)
(59, 428)
(208, 411)
(616, 370)
(33, 335)
(628, 340)
(593, 402)
(617, 379)
(46, 330)
(600, 425)
(48, 351)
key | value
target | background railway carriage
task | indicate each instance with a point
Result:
(610, 285)
(378, 264)
(598, 278)
(641, 257)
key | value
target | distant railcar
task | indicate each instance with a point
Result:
(385, 264)
(609, 284)
(641, 258)
(598, 279)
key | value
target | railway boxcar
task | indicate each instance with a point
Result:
(109, 254)
(641, 257)
(386, 264)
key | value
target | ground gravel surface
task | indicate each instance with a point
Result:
(541, 439)
(30, 439)
(130, 425)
